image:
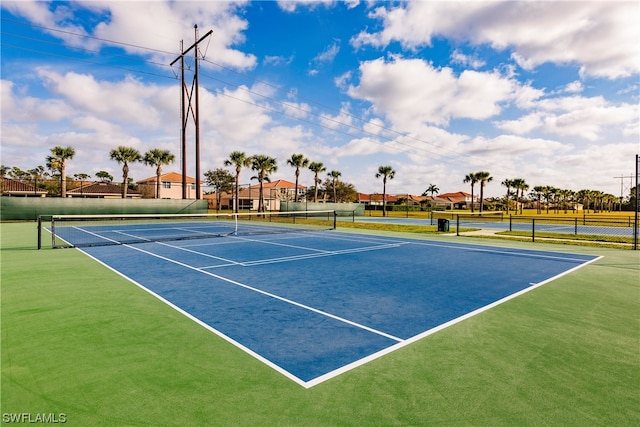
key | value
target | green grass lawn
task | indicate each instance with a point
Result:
(80, 340)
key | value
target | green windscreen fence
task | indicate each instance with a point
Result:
(30, 208)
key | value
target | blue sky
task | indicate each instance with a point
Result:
(545, 91)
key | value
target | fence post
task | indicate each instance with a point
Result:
(533, 230)
(576, 227)
(510, 222)
(457, 224)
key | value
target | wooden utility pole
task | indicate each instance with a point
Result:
(196, 114)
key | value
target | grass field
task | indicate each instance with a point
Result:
(81, 341)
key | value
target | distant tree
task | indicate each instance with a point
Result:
(471, 178)
(433, 189)
(239, 160)
(483, 178)
(81, 177)
(520, 186)
(265, 166)
(537, 193)
(222, 182)
(297, 161)
(317, 168)
(334, 175)
(37, 174)
(58, 161)
(125, 155)
(158, 158)
(19, 174)
(104, 176)
(385, 172)
(509, 184)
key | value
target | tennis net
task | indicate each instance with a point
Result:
(100, 230)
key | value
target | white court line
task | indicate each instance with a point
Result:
(269, 294)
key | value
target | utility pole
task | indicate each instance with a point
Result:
(196, 113)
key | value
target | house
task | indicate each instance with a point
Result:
(273, 193)
(375, 199)
(458, 200)
(170, 186)
(11, 187)
(102, 190)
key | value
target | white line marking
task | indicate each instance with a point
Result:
(269, 294)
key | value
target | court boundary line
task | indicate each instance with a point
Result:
(269, 294)
(442, 326)
(400, 342)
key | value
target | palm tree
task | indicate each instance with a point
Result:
(547, 193)
(239, 160)
(538, 191)
(386, 172)
(317, 168)
(471, 178)
(507, 183)
(58, 161)
(125, 155)
(264, 165)
(156, 157)
(297, 161)
(433, 189)
(334, 175)
(483, 178)
(520, 186)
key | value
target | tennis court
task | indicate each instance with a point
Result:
(571, 226)
(313, 304)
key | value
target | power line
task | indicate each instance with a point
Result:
(86, 61)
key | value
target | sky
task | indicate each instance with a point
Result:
(544, 91)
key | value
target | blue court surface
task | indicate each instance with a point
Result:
(313, 305)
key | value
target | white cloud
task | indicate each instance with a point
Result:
(587, 118)
(458, 57)
(602, 37)
(412, 91)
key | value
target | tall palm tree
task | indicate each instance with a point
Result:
(508, 183)
(520, 186)
(334, 175)
(433, 189)
(547, 193)
(156, 157)
(297, 161)
(125, 155)
(317, 168)
(58, 161)
(471, 178)
(386, 172)
(483, 178)
(538, 191)
(264, 165)
(240, 160)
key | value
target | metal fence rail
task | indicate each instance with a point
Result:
(587, 228)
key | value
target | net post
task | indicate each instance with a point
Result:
(335, 219)
(458, 225)
(39, 232)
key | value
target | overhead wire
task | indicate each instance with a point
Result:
(440, 153)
